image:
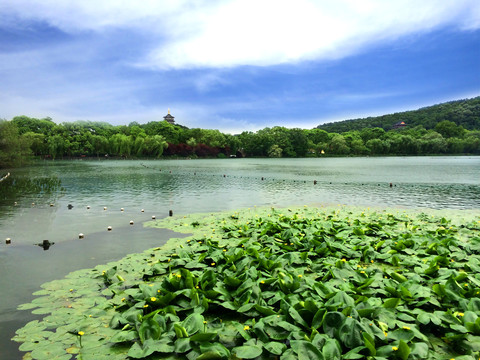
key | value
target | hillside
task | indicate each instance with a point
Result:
(463, 112)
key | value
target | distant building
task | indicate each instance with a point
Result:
(399, 125)
(169, 118)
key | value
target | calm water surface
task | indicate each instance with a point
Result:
(186, 186)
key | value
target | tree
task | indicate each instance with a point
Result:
(14, 149)
(433, 143)
(56, 146)
(155, 145)
(275, 151)
(338, 145)
(378, 146)
(449, 129)
(37, 143)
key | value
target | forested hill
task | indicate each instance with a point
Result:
(462, 112)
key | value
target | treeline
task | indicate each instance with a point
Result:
(24, 137)
(465, 113)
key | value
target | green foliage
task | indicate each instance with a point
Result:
(449, 128)
(464, 113)
(292, 283)
(14, 149)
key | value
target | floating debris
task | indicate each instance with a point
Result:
(109, 228)
(81, 236)
(131, 222)
(70, 206)
(45, 244)
(8, 241)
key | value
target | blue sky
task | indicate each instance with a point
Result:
(235, 65)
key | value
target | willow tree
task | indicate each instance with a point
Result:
(14, 149)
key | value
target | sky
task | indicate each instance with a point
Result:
(234, 65)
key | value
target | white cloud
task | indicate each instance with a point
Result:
(189, 34)
(270, 32)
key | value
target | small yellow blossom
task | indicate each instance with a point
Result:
(179, 276)
(123, 299)
(224, 250)
(406, 328)
(262, 282)
(213, 264)
(362, 272)
(158, 291)
(204, 321)
(461, 314)
(71, 290)
(394, 348)
(385, 333)
(153, 299)
(371, 261)
(246, 328)
(145, 306)
(344, 260)
(300, 275)
(81, 333)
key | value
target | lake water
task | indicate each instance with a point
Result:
(184, 187)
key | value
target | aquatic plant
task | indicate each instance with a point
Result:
(302, 283)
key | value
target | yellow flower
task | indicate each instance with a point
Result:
(371, 261)
(262, 282)
(153, 299)
(246, 328)
(406, 328)
(362, 272)
(81, 333)
(179, 276)
(224, 249)
(300, 275)
(145, 306)
(71, 290)
(394, 348)
(344, 259)
(461, 314)
(385, 333)
(213, 264)
(123, 299)
(158, 291)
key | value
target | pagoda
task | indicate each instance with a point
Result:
(169, 118)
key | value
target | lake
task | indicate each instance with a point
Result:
(34, 206)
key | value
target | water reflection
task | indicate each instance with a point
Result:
(15, 187)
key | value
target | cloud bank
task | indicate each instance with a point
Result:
(221, 34)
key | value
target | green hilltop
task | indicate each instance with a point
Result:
(465, 113)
